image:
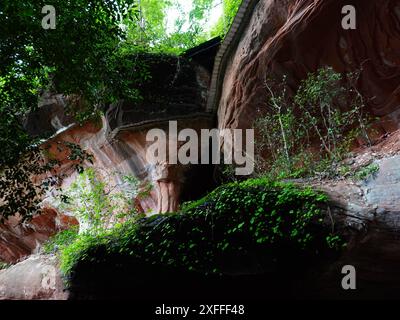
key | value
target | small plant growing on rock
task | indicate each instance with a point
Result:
(4, 265)
(332, 110)
(309, 134)
(366, 172)
(61, 240)
(335, 242)
(98, 201)
(280, 134)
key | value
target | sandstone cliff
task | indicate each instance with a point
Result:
(295, 37)
(270, 38)
(177, 91)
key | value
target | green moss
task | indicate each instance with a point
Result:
(234, 219)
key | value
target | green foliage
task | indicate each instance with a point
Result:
(326, 108)
(4, 265)
(14, 140)
(335, 242)
(61, 240)
(22, 191)
(366, 172)
(316, 98)
(83, 58)
(235, 219)
(280, 134)
(154, 32)
(94, 199)
(93, 57)
(229, 12)
(80, 57)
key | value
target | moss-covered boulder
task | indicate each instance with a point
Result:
(252, 228)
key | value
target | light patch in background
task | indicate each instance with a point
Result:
(215, 14)
(173, 14)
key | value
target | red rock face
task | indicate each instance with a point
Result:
(295, 37)
(20, 240)
(125, 154)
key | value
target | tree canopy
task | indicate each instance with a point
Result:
(189, 29)
(77, 57)
(230, 8)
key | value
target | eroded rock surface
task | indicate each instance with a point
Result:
(20, 240)
(367, 214)
(295, 37)
(177, 91)
(36, 278)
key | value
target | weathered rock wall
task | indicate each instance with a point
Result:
(126, 154)
(36, 278)
(295, 37)
(18, 240)
(176, 91)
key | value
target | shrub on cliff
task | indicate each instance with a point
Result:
(309, 134)
(61, 240)
(235, 221)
